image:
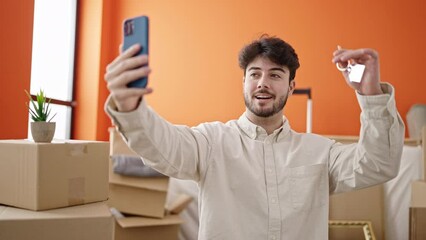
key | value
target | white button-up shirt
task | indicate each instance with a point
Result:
(258, 186)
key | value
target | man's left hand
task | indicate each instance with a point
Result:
(370, 82)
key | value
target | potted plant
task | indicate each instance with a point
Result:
(42, 129)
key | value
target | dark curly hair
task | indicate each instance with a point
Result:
(273, 48)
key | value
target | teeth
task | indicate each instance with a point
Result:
(263, 97)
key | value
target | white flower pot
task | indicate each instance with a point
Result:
(43, 132)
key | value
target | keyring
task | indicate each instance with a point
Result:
(348, 67)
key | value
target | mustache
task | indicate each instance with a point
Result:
(263, 91)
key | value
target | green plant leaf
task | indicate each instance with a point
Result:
(52, 117)
(40, 107)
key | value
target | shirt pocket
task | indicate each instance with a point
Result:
(308, 188)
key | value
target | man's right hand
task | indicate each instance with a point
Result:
(123, 70)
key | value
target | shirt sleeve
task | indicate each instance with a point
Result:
(376, 157)
(174, 150)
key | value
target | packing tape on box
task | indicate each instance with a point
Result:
(77, 149)
(76, 191)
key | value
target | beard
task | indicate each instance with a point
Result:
(276, 107)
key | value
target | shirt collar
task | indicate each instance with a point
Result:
(256, 132)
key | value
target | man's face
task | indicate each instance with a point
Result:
(266, 87)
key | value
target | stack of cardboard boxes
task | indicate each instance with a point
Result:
(142, 200)
(51, 191)
(418, 201)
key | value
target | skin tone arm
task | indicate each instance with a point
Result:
(370, 83)
(124, 69)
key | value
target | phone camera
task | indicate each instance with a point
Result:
(128, 27)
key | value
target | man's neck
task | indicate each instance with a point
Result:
(270, 124)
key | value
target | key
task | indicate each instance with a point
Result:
(355, 71)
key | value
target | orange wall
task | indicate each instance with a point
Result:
(16, 24)
(194, 47)
(92, 56)
(87, 71)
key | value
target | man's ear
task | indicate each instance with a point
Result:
(291, 87)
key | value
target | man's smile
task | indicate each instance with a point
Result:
(263, 97)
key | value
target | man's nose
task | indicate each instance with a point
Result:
(263, 82)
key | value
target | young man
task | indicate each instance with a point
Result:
(258, 178)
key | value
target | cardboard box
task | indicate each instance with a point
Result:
(362, 205)
(136, 228)
(135, 195)
(41, 176)
(418, 211)
(424, 151)
(418, 194)
(138, 196)
(417, 223)
(84, 222)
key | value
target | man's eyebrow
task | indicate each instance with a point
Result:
(271, 69)
(277, 69)
(254, 68)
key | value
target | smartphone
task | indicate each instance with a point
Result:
(135, 30)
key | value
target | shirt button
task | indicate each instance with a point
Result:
(273, 200)
(273, 237)
(270, 170)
